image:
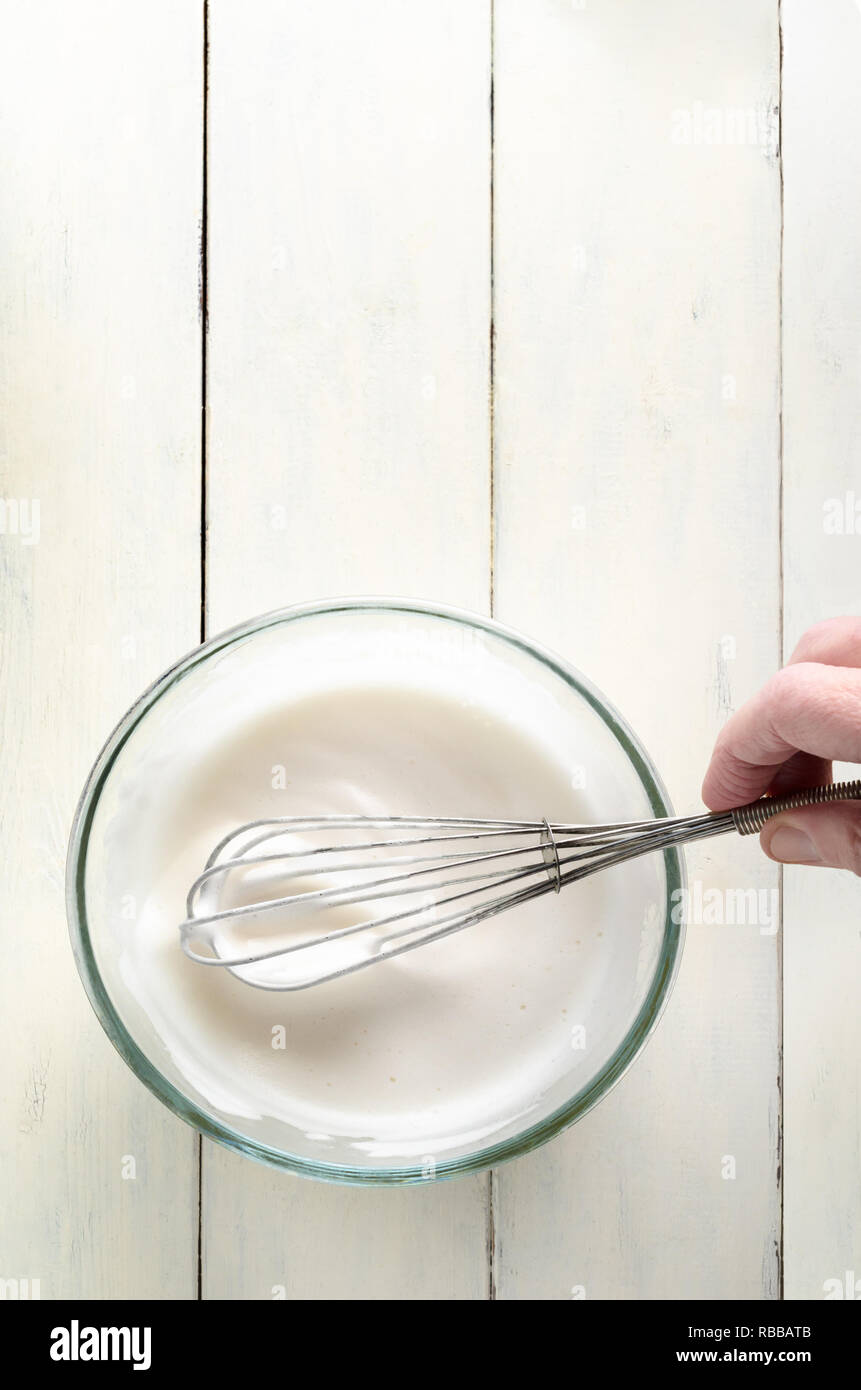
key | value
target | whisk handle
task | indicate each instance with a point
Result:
(749, 820)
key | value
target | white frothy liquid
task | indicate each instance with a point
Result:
(442, 1050)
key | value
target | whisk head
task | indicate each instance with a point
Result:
(295, 901)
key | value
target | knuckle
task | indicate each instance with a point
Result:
(824, 638)
(797, 701)
(790, 683)
(731, 782)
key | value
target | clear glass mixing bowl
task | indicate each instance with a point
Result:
(115, 842)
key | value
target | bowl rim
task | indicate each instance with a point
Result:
(490, 1156)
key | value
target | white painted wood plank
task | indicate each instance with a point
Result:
(348, 453)
(822, 569)
(637, 252)
(349, 269)
(100, 122)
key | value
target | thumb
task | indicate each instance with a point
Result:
(829, 835)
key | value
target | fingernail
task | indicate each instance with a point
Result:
(792, 846)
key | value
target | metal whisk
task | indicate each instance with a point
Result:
(294, 901)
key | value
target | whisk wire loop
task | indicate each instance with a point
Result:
(283, 912)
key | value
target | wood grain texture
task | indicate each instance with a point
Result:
(350, 321)
(822, 568)
(637, 219)
(99, 413)
(349, 266)
(637, 503)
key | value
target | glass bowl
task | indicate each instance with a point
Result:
(532, 1074)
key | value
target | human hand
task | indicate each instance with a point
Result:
(785, 737)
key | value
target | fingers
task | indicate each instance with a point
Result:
(806, 708)
(835, 642)
(824, 835)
